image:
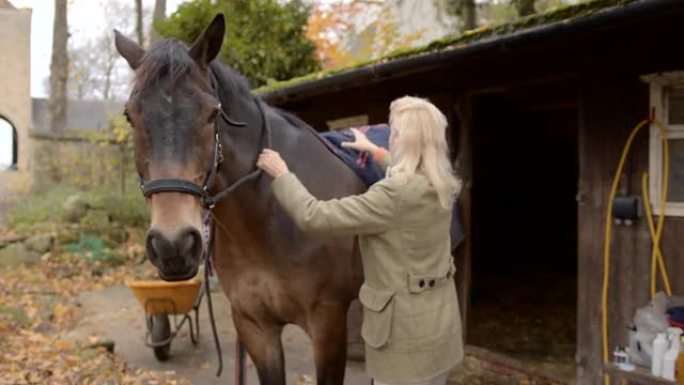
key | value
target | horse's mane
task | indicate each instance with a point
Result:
(238, 83)
(170, 58)
(165, 58)
(294, 120)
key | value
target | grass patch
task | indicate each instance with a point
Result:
(39, 208)
(92, 246)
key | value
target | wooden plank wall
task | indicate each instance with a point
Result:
(613, 101)
(610, 108)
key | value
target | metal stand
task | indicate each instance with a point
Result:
(187, 317)
(240, 364)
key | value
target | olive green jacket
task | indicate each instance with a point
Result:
(411, 322)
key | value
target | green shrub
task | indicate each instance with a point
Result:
(39, 207)
(107, 207)
(92, 246)
(265, 40)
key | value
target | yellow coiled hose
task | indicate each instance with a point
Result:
(656, 231)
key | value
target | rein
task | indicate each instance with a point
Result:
(209, 201)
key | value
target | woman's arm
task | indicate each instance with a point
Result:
(382, 158)
(372, 212)
(361, 143)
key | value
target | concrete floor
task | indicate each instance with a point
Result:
(115, 314)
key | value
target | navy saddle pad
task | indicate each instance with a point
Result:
(364, 166)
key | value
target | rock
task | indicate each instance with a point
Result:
(16, 254)
(40, 243)
(75, 207)
(107, 344)
(95, 219)
(66, 236)
(9, 239)
(66, 272)
(114, 236)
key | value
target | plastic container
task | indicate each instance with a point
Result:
(680, 365)
(660, 345)
(674, 335)
(669, 364)
(161, 297)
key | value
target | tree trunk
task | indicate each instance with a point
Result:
(525, 7)
(159, 14)
(139, 22)
(59, 69)
(469, 14)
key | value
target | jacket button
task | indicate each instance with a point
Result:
(432, 283)
(421, 283)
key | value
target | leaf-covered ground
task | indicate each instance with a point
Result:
(39, 304)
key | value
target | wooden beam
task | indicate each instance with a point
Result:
(464, 170)
(639, 376)
(509, 363)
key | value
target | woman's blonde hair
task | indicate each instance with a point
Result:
(420, 145)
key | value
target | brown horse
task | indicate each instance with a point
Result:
(185, 110)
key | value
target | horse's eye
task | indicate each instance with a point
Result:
(213, 115)
(128, 117)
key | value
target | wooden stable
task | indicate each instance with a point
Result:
(539, 112)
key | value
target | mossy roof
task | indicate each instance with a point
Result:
(457, 41)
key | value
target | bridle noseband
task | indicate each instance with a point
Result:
(188, 187)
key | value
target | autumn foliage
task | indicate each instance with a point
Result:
(327, 26)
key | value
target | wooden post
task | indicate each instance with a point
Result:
(465, 171)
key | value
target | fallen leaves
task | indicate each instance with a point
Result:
(38, 306)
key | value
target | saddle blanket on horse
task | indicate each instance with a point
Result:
(364, 166)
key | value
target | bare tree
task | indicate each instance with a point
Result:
(159, 14)
(139, 22)
(59, 69)
(465, 10)
(524, 7)
(82, 79)
(97, 71)
(469, 14)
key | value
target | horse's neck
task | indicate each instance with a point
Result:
(251, 206)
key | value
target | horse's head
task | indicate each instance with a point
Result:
(172, 110)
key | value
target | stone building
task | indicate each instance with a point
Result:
(15, 79)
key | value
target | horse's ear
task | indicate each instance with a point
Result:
(129, 49)
(208, 44)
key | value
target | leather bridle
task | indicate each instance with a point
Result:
(208, 200)
(188, 187)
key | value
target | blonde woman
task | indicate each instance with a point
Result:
(411, 323)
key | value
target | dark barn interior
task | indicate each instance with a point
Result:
(524, 257)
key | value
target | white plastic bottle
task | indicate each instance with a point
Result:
(675, 336)
(670, 358)
(669, 363)
(659, 348)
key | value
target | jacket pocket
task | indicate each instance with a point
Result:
(377, 315)
(420, 283)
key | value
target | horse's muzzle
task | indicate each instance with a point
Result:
(176, 258)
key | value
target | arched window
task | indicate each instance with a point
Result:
(8, 145)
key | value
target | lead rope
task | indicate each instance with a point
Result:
(208, 265)
(210, 202)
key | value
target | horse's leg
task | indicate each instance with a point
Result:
(329, 336)
(262, 341)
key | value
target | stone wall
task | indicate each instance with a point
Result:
(81, 161)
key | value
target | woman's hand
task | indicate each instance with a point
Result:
(271, 162)
(360, 143)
